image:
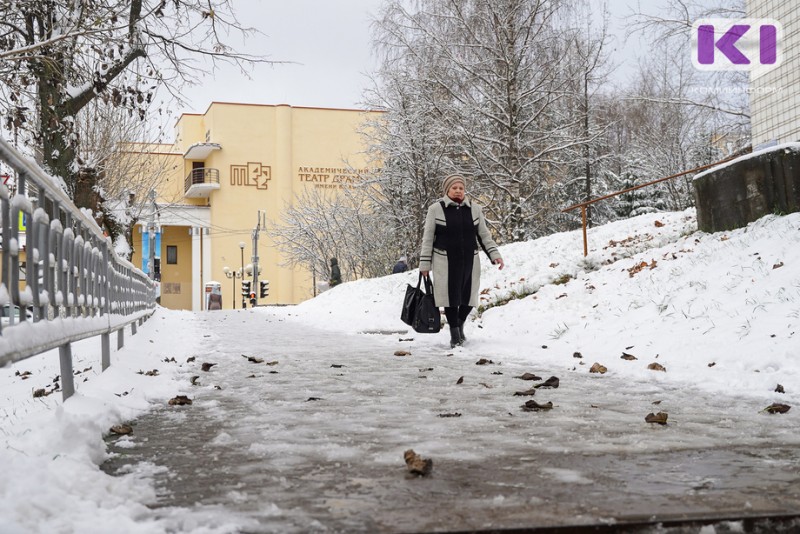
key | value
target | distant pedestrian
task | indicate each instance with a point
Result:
(336, 274)
(401, 266)
(454, 227)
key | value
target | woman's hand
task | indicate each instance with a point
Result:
(499, 263)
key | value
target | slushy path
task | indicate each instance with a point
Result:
(315, 442)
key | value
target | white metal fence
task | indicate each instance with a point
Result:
(76, 286)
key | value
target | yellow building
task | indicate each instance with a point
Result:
(226, 167)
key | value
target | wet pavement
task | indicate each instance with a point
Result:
(315, 442)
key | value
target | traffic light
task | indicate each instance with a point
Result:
(246, 288)
(264, 288)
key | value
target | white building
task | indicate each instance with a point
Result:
(775, 93)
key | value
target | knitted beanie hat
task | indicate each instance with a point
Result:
(450, 180)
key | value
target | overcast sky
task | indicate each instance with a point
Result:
(329, 43)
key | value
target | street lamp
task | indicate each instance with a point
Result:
(233, 275)
(241, 275)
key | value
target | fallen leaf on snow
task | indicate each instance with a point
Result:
(657, 367)
(483, 361)
(597, 368)
(416, 464)
(551, 382)
(402, 353)
(454, 414)
(180, 400)
(207, 366)
(460, 380)
(525, 393)
(779, 389)
(533, 406)
(629, 357)
(528, 376)
(660, 418)
(777, 407)
(121, 429)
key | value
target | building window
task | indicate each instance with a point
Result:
(172, 255)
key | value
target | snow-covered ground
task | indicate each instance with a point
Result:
(720, 312)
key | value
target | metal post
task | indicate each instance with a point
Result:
(120, 338)
(583, 222)
(244, 298)
(105, 344)
(151, 236)
(67, 383)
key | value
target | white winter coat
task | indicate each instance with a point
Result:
(435, 260)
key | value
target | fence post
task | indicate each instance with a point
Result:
(105, 343)
(67, 382)
(120, 338)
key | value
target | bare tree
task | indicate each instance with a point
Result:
(58, 56)
(321, 224)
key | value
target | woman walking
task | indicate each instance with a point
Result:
(454, 227)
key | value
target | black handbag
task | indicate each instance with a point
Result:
(427, 319)
(413, 295)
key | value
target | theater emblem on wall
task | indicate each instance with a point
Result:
(253, 174)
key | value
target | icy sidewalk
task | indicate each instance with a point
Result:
(315, 442)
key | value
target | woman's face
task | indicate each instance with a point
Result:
(456, 191)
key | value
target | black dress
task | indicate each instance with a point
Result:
(458, 240)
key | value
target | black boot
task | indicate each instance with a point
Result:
(455, 337)
(461, 333)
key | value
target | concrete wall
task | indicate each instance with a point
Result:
(748, 188)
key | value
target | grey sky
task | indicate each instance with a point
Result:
(330, 42)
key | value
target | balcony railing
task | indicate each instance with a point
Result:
(200, 182)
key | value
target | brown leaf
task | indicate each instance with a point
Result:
(483, 361)
(629, 357)
(460, 380)
(402, 353)
(207, 366)
(551, 382)
(193, 380)
(657, 367)
(525, 393)
(659, 224)
(272, 363)
(454, 414)
(121, 429)
(779, 389)
(39, 393)
(660, 418)
(597, 368)
(777, 407)
(712, 364)
(528, 376)
(484, 384)
(180, 400)
(313, 399)
(778, 265)
(656, 402)
(190, 359)
(255, 360)
(533, 406)
(416, 464)
(577, 355)
(641, 266)
(337, 365)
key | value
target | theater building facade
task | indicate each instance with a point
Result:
(230, 170)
